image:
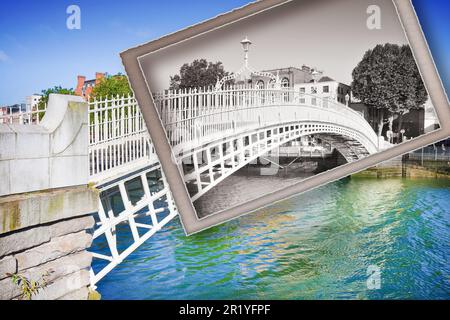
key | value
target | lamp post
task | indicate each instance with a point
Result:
(246, 46)
(402, 132)
(245, 73)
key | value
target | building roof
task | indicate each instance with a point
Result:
(282, 69)
(325, 79)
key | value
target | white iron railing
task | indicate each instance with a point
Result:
(196, 116)
(118, 138)
(429, 156)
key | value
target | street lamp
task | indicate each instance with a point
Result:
(347, 99)
(245, 73)
(403, 134)
(246, 46)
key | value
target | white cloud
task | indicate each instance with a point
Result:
(3, 56)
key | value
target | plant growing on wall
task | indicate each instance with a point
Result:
(29, 287)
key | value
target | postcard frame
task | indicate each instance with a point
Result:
(189, 219)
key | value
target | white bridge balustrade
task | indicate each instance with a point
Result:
(121, 155)
(118, 138)
(213, 132)
(195, 117)
(118, 155)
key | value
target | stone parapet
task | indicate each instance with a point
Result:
(53, 154)
(46, 204)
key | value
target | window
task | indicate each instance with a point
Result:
(326, 89)
(302, 90)
(313, 90)
(272, 83)
(285, 83)
(260, 84)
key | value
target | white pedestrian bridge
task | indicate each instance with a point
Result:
(213, 133)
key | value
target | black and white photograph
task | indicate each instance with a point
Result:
(262, 104)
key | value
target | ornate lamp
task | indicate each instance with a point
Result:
(246, 46)
(245, 72)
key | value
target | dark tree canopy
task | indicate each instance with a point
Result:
(388, 78)
(199, 73)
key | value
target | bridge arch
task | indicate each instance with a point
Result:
(206, 166)
(250, 121)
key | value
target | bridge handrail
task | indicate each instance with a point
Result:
(118, 137)
(275, 95)
(181, 108)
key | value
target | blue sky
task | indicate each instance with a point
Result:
(37, 51)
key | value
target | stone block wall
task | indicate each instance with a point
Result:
(55, 248)
(46, 204)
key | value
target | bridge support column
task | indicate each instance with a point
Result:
(46, 205)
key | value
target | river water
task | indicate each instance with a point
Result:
(317, 245)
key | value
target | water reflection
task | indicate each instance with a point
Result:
(316, 245)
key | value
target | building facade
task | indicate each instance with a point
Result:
(306, 80)
(84, 87)
(32, 102)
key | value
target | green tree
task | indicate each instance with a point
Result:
(112, 86)
(387, 78)
(199, 73)
(46, 93)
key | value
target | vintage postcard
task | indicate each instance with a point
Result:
(247, 110)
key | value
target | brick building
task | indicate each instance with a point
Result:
(84, 87)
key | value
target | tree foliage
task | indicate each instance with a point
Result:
(199, 73)
(112, 86)
(387, 78)
(46, 93)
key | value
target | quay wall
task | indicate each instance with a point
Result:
(46, 205)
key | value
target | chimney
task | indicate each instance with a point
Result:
(87, 93)
(80, 84)
(98, 76)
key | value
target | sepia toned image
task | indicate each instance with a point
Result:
(263, 104)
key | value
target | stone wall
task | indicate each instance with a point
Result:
(46, 205)
(404, 168)
(53, 244)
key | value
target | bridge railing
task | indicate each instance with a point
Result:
(118, 137)
(191, 115)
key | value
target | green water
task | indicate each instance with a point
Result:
(317, 245)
